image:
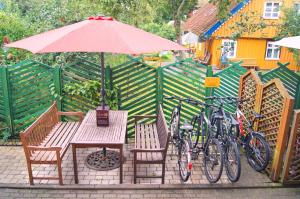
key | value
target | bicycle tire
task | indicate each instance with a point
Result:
(252, 155)
(195, 133)
(232, 155)
(184, 170)
(174, 129)
(207, 159)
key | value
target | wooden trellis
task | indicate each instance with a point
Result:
(291, 169)
(276, 105)
(250, 89)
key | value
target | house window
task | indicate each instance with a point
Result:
(271, 10)
(297, 7)
(272, 51)
(229, 48)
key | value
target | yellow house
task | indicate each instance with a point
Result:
(256, 48)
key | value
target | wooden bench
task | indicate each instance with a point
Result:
(47, 140)
(151, 143)
(246, 62)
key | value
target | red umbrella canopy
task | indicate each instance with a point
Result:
(97, 34)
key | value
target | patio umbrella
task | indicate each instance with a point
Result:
(97, 34)
(290, 42)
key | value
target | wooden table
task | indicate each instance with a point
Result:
(89, 135)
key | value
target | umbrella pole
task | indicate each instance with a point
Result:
(102, 80)
(102, 90)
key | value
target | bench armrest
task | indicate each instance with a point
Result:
(140, 117)
(35, 148)
(135, 150)
(78, 114)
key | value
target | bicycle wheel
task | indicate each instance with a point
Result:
(232, 161)
(184, 161)
(213, 160)
(174, 125)
(258, 152)
(197, 128)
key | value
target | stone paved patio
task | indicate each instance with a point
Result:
(279, 193)
(13, 170)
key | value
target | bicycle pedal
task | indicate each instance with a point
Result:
(194, 156)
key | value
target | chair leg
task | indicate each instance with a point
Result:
(30, 173)
(163, 173)
(59, 171)
(134, 169)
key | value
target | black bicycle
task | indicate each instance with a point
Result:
(223, 125)
(211, 147)
(181, 139)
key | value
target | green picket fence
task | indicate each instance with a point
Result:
(230, 79)
(290, 80)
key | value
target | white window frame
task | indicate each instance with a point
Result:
(234, 50)
(271, 17)
(272, 48)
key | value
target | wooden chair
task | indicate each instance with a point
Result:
(151, 143)
(47, 140)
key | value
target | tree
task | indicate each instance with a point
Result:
(248, 23)
(290, 27)
(163, 30)
(178, 9)
(12, 28)
(223, 7)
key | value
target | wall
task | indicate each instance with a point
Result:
(253, 48)
(256, 6)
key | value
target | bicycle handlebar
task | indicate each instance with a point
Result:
(232, 99)
(191, 101)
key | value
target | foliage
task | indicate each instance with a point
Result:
(12, 28)
(4, 132)
(290, 27)
(247, 24)
(163, 30)
(91, 90)
(53, 92)
(224, 7)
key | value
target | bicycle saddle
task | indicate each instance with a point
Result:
(258, 116)
(187, 126)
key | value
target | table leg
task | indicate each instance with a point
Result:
(121, 164)
(75, 163)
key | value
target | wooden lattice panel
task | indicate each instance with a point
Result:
(250, 87)
(292, 160)
(276, 105)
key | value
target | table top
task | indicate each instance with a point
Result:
(90, 133)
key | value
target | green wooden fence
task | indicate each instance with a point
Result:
(182, 79)
(290, 80)
(25, 88)
(76, 72)
(230, 79)
(137, 84)
(25, 93)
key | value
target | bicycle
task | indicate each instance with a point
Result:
(181, 139)
(224, 124)
(211, 147)
(254, 143)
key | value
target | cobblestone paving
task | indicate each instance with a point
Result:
(280, 193)
(13, 170)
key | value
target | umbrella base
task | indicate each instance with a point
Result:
(102, 115)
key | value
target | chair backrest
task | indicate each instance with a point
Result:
(162, 129)
(37, 132)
